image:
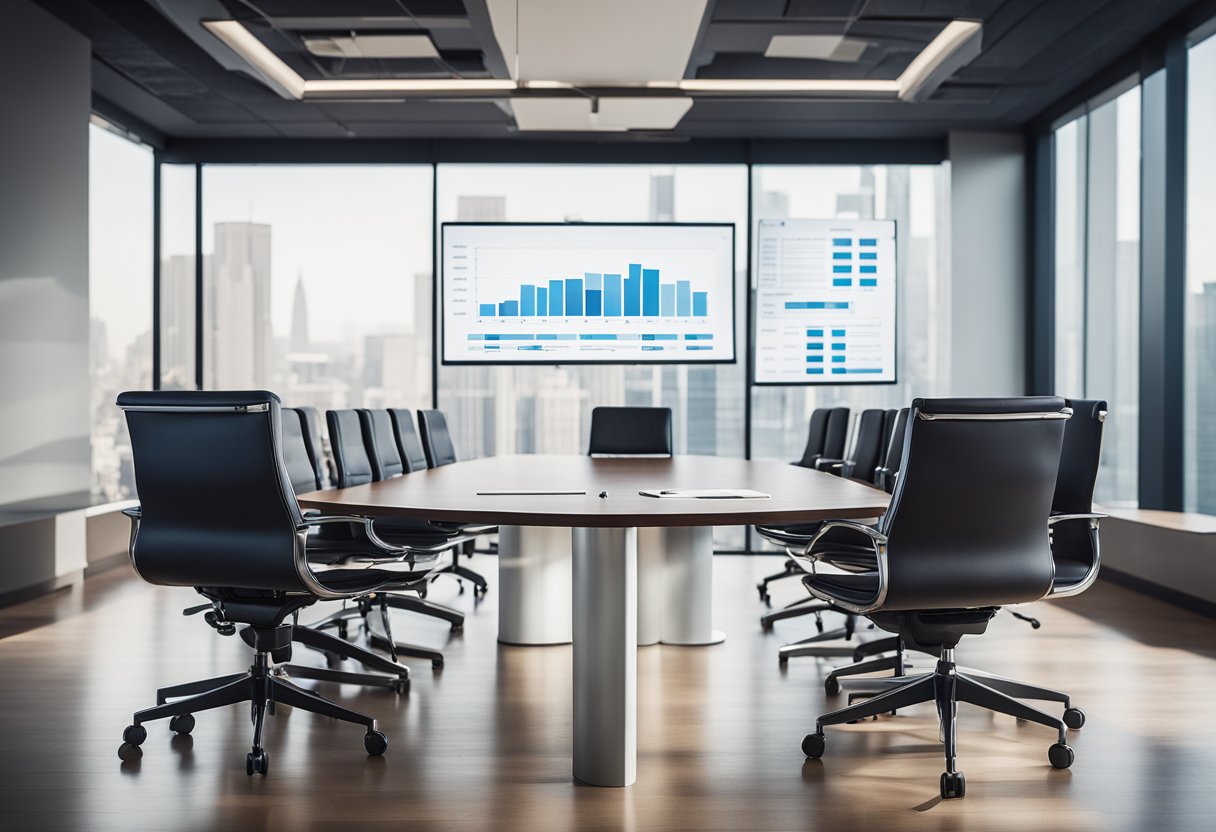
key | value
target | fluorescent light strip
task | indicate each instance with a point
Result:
(957, 34)
(241, 41)
(954, 36)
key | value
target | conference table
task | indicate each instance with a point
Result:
(598, 500)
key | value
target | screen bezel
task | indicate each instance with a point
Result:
(754, 313)
(439, 295)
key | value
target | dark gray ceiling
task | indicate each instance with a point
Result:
(1034, 52)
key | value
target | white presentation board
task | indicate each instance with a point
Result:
(825, 302)
(580, 293)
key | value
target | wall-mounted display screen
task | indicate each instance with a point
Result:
(825, 302)
(578, 293)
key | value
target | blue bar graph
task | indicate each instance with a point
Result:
(837, 346)
(612, 295)
(868, 255)
(814, 359)
(814, 333)
(842, 255)
(839, 359)
(650, 292)
(868, 281)
(814, 371)
(640, 293)
(842, 269)
(842, 241)
(842, 281)
(837, 333)
(574, 298)
(869, 269)
(868, 241)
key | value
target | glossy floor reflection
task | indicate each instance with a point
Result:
(484, 744)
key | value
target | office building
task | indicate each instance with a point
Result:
(585, 403)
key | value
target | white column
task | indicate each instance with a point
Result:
(605, 656)
(533, 587)
(651, 584)
(688, 586)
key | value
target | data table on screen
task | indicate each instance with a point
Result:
(825, 302)
(571, 293)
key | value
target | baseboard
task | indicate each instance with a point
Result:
(25, 593)
(1161, 593)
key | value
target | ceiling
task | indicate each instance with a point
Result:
(153, 59)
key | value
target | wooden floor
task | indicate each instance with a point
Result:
(485, 744)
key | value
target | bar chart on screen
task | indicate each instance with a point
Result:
(825, 302)
(570, 293)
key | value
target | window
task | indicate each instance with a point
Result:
(317, 283)
(120, 299)
(506, 410)
(915, 197)
(1098, 280)
(177, 277)
(1200, 385)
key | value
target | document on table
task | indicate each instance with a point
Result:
(707, 494)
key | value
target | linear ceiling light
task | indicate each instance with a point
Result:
(954, 47)
(267, 64)
(823, 85)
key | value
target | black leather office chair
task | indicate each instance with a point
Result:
(956, 543)
(409, 446)
(1075, 549)
(242, 542)
(440, 450)
(357, 463)
(630, 431)
(315, 443)
(818, 445)
(867, 450)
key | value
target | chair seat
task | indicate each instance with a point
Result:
(1069, 572)
(855, 589)
(369, 579)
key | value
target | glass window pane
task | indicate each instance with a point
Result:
(177, 273)
(1112, 290)
(316, 283)
(120, 299)
(1200, 433)
(505, 410)
(1070, 176)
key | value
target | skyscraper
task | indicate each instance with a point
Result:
(299, 318)
(240, 328)
(177, 322)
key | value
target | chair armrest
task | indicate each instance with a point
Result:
(134, 512)
(368, 525)
(1094, 519)
(877, 539)
(1095, 542)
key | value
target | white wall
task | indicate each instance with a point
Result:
(987, 264)
(44, 242)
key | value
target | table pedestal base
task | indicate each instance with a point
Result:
(533, 585)
(605, 655)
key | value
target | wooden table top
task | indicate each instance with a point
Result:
(450, 493)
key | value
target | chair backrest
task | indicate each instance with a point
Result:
(1079, 463)
(216, 505)
(381, 445)
(868, 444)
(436, 441)
(297, 455)
(837, 433)
(630, 431)
(352, 465)
(409, 446)
(888, 426)
(886, 474)
(316, 446)
(814, 437)
(967, 524)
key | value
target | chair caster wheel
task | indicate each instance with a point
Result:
(954, 784)
(400, 686)
(831, 686)
(257, 762)
(182, 724)
(1074, 718)
(134, 735)
(1060, 755)
(376, 743)
(813, 746)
